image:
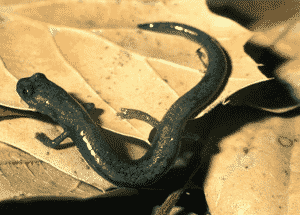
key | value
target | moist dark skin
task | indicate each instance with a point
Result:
(48, 98)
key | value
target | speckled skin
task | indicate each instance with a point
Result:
(48, 98)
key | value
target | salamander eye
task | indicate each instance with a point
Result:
(28, 91)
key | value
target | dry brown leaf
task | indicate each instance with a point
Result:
(22, 176)
(257, 169)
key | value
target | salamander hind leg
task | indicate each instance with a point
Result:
(127, 113)
(140, 115)
(51, 143)
(202, 56)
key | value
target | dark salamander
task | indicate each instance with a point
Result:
(48, 98)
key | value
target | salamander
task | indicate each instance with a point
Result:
(50, 99)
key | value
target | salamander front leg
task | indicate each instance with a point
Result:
(89, 107)
(51, 143)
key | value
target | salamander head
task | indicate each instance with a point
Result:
(38, 92)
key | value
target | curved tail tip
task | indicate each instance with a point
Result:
(144, 26)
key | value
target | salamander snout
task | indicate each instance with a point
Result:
(26, 86)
